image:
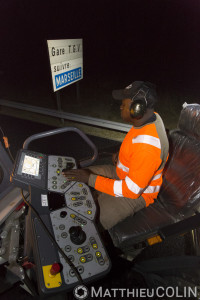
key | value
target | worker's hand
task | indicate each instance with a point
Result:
(81, 175)
(115, 158)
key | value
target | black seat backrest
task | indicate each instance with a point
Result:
(180, 192)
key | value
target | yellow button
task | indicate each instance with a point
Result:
(82, 259)
(72, 216)
(73, 198)
(58, 171)
(95, 246)
(80, 185)
(89, 212)
(80, 250)
(98, 254)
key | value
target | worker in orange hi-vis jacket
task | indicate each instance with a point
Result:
(135, 178)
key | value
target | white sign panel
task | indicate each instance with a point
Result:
(66, 60)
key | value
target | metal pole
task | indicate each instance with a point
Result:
(59, 104)
(78, 92)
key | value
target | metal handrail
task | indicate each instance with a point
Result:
(84, 163)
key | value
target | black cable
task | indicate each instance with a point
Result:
(68, 261)
(10, 154)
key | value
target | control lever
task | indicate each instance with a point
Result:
(69, 166)
(77, 235)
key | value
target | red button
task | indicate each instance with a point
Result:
(55, 269)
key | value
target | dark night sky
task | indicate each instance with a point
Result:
(157, 40)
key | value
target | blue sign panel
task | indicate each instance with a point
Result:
(68, 77)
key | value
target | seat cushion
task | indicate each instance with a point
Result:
(142, 225)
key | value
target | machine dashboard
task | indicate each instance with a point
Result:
(68, 210)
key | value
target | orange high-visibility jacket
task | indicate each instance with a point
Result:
(141, 160)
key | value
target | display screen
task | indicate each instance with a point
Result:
(31, 165)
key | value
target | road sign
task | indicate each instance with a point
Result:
(66, 60)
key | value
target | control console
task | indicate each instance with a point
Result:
(68, 210)
(80, 240)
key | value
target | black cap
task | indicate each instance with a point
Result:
(137, 90)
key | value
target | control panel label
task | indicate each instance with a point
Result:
(44, 201)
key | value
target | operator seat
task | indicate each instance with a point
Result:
(179, 196)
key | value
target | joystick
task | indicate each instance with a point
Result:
(69, 166)
(77, 235)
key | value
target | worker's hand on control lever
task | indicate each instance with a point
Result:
(81, 175)
(115, 158)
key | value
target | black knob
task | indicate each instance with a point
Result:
(63, 214)
(77, 235)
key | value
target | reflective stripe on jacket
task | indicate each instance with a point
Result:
(140, 164)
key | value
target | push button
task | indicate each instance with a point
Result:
(98, 254)
(55, 269)
(82, 259)
(63, 214)
(94, 246)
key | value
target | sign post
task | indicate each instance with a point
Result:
(59, 104)
(66, 60)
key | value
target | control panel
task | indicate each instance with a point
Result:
(56, 181)
(79, 198)
(42, 171)
(78, 237)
